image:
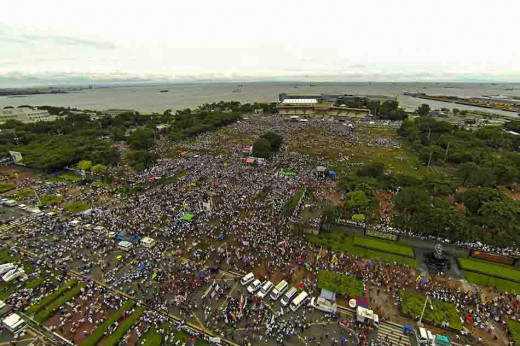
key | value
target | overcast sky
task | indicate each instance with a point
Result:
(368, 40)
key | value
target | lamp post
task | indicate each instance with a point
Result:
(420, 324)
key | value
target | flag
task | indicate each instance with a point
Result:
(154, 275)
(119, 256)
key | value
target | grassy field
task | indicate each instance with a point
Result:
(484, 280)
(413, 303)
(341, 242)
(25, 193)
(6, 187)
(151, 338)
(50, 200)
(383, 245)
(483, 267)
(77, 207)
(514, 329)
(340, 283)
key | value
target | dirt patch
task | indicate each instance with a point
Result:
(17, 175)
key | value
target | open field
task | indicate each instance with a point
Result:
(341, 242)
(412, 305)
(340, 283)
(482, 267)
(514, 329)
(385, 246)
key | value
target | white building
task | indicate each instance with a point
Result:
(115, 112)
(25, 115)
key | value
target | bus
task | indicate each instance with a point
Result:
(299, 301)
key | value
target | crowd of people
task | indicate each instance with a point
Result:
(236, 224)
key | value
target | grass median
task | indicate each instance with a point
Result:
(44, 314)
(113, 339)
(98, 333)
(412, 305)
(51, 297)
(514, 329)
(385, 246)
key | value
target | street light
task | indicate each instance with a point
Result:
(420, 324)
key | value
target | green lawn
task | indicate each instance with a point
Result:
(483, 267)
(484, 280)
(35, 282)
(384, 245)
(341, 242)
(6, 187)
(413, 303)
(151, 338)
(77, 207)
(51, 297)
(514, 328)
(340, 283)
(65, 177)
(51, 200)
(25, 193)
(44, 314)
(113, 339)
(98, 333)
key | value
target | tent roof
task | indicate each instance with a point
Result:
(329, 295)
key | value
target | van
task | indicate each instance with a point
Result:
(22, 207)
(255, 285)
(299, 301)
(265, 289)
(286, 299)
(279, 290)
(148, 242)
(247, 279)
(4, 268)
(425, 337)
(125, 245)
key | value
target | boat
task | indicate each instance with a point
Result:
(237, 90)
(240, 85)
(295, 85)
(312, 85)
(164, 91)
(413, 93)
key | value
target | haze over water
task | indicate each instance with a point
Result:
(180, 96)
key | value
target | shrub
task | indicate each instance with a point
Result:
(6, 187)
(51, 199)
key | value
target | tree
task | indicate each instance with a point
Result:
(274, 139)
(412, 199)
(98, 169)
(356, 200)
(262, 148)
(141, 159)
(473, 199)
(423, 110)
(142, 139)
(358, 218)
(85, 165)
(373, 170)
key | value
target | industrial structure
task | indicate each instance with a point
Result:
(25, 115)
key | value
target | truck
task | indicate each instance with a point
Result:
(14, 323)
(367, 316)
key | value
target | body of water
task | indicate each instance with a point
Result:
(180, 96)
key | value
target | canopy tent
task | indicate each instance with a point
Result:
(250, 161)
(329, 295)
(188, 216)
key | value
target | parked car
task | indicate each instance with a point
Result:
(255, 285)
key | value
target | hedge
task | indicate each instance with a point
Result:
(503, 271)
(43, 315)
(340, 283)
(114, 338)
(514, 329)
(98, 333)
(51, 297)
(412, 304)
(385, 246)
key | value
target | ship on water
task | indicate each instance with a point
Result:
(237, 90)
(413, 93)
(164, 91)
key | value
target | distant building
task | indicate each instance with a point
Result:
(335, 97)
(25, 115)
(115, 112)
